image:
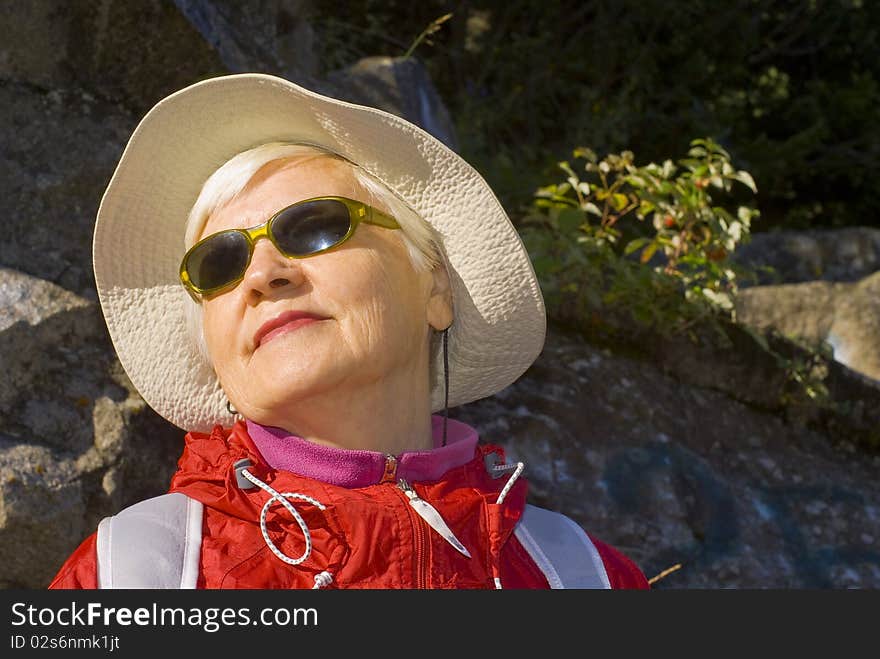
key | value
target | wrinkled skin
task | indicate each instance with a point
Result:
(359, 378)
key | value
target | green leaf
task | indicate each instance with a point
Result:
(636, 181)
(648, 252)
(646, 207)
(565, 167)
(745, 214)
(635, 244)
(746, 179)
(590, 207)
(586, 153)
(619, 201)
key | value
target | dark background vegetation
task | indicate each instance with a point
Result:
(788, 87)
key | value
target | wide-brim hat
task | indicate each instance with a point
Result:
(499, 316)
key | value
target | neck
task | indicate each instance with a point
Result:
(389, 417)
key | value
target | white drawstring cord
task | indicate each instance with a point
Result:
(510, 481)
(509, 484)
(323, 578)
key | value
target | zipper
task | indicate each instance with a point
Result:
(429, 513)
(430, 516)
(420, 541)
(421, 514)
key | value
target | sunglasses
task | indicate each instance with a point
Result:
(306, 228)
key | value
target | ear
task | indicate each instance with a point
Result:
(439, 310)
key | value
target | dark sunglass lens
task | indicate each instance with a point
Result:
(311, 227)
(218, 261)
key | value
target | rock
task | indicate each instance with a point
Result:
(77, 442)
(128, 52)
(60, 149)
(846, 316)
(398, 85)
(273, 36)
(137, 53)
(40, 512)
(679, 474)
(840, 255)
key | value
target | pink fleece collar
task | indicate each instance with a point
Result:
(351, 468)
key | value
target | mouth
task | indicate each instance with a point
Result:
(288, 321)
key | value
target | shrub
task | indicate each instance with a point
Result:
(616, 242)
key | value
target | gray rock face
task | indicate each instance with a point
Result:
(41, 510)
(675, 474)
(841, 255)
(76, 441)
(60, 149)
(257, 35)
(400, 86)
(844, 315)
(129, 52)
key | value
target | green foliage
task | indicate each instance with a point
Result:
(616, 244)
(791, 89)
(628, 253)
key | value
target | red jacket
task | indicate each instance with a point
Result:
(367, 537)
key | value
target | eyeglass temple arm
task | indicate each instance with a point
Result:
(379, 218)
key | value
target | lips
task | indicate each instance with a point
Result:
(287, 321)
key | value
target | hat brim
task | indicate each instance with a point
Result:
(500, 319)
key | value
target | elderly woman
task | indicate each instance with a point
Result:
(342, 278)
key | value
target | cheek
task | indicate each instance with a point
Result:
(383, 307)
(218, 336)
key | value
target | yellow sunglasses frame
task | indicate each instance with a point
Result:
(358, 212)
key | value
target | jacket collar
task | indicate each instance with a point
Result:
(354, 468)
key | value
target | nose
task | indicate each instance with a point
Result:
(270, 270)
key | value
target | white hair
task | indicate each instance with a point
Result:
(423, 242)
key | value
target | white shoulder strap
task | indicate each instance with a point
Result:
(153, 544)
(561, 549)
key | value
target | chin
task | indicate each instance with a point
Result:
(284, 385)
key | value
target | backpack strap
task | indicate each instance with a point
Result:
(561, 549)
(142, 546)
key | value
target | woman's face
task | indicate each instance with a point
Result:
(376, 309)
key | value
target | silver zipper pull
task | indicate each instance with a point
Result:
(429, 513)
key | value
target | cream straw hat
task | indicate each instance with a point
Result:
(500, 320)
